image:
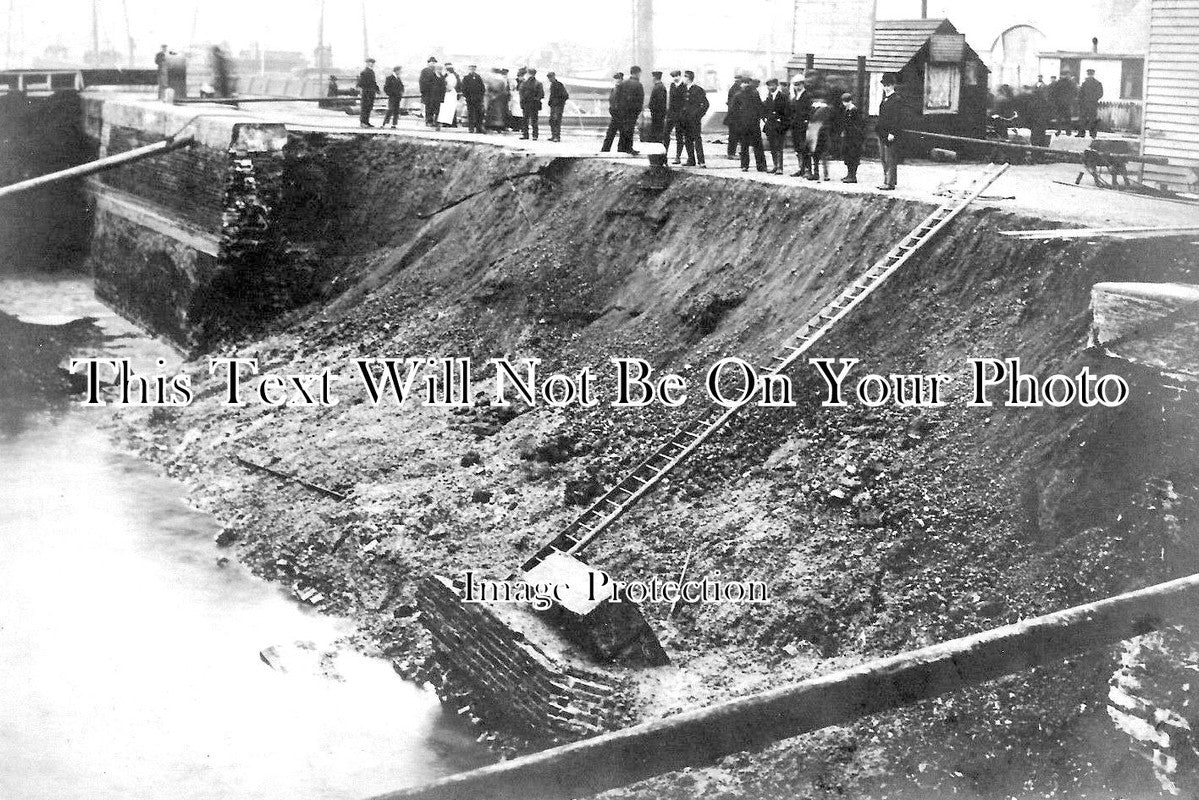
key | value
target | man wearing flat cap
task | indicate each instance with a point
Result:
(676, 98)
(774, 116)
(473, 92)
(632, 101)
(393, 87)
(615, 112)
(557, 103)
(531, 94)
(368, 88)
(657, 108)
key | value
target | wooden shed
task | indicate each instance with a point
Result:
(939, 73)
(1171, 127)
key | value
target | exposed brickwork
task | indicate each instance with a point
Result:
(488, 668)
(188, 182)
(148, 276)
(225, 188)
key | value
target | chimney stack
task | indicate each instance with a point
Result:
(1094, 44)
(923, 9)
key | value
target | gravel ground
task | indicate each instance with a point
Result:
(879, 530)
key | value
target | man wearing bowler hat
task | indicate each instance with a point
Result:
(893, 120)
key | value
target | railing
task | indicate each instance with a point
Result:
(40, 82)
(1121, 115)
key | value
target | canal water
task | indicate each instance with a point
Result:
(135, 661)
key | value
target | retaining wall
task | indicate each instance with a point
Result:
(185, 243)
(508, 670)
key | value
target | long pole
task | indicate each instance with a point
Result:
(320, 29)
(128, 31)
(1068, 156)
(96, 33)
(366, 48)
(8, 35)
(705, 735)
(99, 165)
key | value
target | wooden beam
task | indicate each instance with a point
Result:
(702, 736)
(1094, 233)
(1063, 155)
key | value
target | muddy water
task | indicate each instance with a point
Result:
(132, 657)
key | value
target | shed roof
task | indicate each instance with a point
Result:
(896, 41)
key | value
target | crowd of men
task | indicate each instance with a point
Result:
(1045, 106)
(489, 99)
(821, 124)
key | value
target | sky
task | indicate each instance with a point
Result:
(490, 27)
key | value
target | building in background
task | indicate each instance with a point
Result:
(939, 73)
(1015, 56)
(1171, 126)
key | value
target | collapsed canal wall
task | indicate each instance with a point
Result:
(877, 529)
(505, 668)
(188, 243)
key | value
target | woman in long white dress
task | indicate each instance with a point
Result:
(449, 107)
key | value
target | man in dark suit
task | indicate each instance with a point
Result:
(694, 108)
(432, 92)
(368, 88)
(632, 102)
(393, 87)
(1089, 95)
(657, 108)
(557, 103)
(894, 117)
(531, 94)
(745, 120)
(799, 112)
(728, 102)
(774, 117)
(614, 112)
(853, 137)
(1062, 94)
(676, 96)
(473, 91)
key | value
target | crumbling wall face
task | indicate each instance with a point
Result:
(486, 669)
(261, 274)
(189, 182)
(146, 275)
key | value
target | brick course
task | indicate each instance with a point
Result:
(487, 667)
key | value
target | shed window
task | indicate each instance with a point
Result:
(942, 87)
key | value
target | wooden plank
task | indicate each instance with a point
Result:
(1095, 233)
(702, 736)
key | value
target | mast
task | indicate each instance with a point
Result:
(96, 33)
(8, 34)
(128, 32)
(366, 49)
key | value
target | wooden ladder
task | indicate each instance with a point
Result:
(617, 500)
